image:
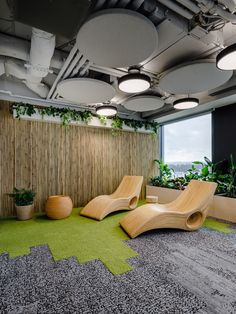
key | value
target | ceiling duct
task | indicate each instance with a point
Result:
(20, 49)
(152, 9)
(177, 8)
(41, 52)
(229, 4)
(223, 8)
(189, 5)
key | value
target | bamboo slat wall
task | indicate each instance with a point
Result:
(82, 162)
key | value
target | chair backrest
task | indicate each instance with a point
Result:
(130, 186)
(197, 195)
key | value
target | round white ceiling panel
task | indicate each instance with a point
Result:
(85, 90)
(193, 78)
(143, 103)
(117, 38)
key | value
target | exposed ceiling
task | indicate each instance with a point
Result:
(90, 44)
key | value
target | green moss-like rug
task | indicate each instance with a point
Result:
(218, 226)
(78, 236)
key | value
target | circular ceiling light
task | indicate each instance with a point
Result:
(134, 82)
(106, 110)
(186, 103)
(226, 59)
(144, 103)
(194, 77)
(85, 90)
(117, 38)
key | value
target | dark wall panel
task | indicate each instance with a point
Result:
(224, 132)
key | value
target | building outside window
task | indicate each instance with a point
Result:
(186, 141)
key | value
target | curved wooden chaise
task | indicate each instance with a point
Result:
(125, 197)
(187, 212)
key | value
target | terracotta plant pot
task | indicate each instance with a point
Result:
(24, 212)
(58, 206)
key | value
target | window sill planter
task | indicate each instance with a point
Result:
(222, 207)
(165, 195)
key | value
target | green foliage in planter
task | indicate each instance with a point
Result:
(28, 110)
(68, 115)
(117, 125)
(209, 171)
(151, 126)
(165, 179)
(231, 178)
(103, 120)
(22, 197)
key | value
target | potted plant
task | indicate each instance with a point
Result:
(23, 200)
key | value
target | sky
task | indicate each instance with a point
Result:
(188, 140)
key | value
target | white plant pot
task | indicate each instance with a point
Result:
(25, 212)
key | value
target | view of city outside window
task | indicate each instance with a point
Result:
(186, 141)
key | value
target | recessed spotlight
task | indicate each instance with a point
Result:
(226, 59)
(134, 82)
(186, 103)
(106, 110)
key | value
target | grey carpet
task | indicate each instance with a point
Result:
(175, 272)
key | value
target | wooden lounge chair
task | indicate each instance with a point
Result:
(187, 212)
(125, 197)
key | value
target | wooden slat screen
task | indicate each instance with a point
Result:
(82, 162)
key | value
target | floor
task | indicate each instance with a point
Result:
(174, 272)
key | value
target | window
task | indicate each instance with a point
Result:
(186, 141)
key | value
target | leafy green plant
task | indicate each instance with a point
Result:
(28, 110)
(151, 126)
(22, 197)
(68, 115)
(134, 124)
(117, 125)
(103, 120)
(208, 171)
(86, 116)
(231, 186)
(166, 175)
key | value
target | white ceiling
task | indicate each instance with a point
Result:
(179, 41)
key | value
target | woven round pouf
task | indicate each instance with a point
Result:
(58, 206)
(152, 199)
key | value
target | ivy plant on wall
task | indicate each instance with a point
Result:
(68, 115)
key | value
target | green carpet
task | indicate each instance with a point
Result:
(217, 226)
(85, 238)
(78, 236)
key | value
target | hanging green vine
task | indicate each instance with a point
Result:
(22, 110)
(103, 120)
(68, 115)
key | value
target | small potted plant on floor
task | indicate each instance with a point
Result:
(23, 200)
